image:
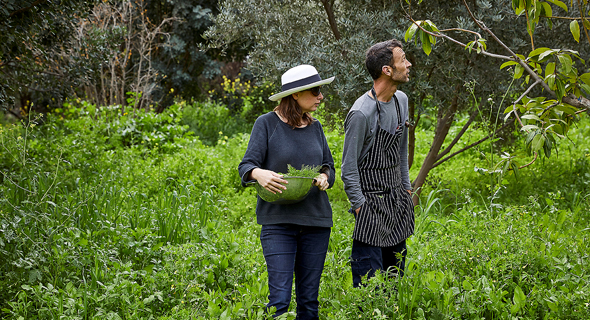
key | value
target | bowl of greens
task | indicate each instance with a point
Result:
(299, 186)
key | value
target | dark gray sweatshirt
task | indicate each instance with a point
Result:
(274, 144)
(360, 128)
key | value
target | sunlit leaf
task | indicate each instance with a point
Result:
(538, 51)
(547, 9)
(550, 68)
(518, 71)
(508, 63)
(566, 62)
(546, 53)
(529, 127)
(538, 142)
(410, 32)
(575, 29)
(559, 4)
(531, 117)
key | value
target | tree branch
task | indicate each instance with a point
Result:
(458, 137)
(583, 19)
(444, 36)
(527, 91)
(18, 116)
(36, 3)
(576, 102)
(328, 6)
(473, 144)
(528, 164)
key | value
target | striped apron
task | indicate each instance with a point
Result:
(387, 216)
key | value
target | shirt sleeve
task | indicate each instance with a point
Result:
(404, 167)
(255, 153)
(356, 126)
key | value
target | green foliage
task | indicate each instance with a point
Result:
(305, 171)
(212, 122)
(92, 229)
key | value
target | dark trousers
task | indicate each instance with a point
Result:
(366, 259)
(295, 249)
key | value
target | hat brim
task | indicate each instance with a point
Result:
(283, 94)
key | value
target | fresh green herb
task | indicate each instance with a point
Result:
(306, 171)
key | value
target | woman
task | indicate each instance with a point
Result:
(294, 237)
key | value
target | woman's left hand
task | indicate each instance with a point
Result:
(321, 181)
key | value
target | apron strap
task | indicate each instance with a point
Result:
(399, 116)
(378, 108)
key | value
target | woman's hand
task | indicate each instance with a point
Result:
(270, 180)
(321, 181)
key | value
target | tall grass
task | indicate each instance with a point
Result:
(94, 228)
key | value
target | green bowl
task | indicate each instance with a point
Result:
(297, 189)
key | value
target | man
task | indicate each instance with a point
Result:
(375, 166)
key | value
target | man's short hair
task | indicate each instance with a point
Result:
(379, 55)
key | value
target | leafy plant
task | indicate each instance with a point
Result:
(307, 171)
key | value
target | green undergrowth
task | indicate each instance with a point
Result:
(107, 215)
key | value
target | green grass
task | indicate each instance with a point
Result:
(95, 224)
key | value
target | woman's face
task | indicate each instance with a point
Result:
(307, 101)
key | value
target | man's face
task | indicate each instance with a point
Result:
(401, 73)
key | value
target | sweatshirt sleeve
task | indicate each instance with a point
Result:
(256, 152)
(327, 161)
(356, 126)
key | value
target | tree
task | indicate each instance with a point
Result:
(33, 34)
(564, 91)
(333, 36)
(102, 50)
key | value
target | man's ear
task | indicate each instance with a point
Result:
(385, 70)
(295, 95)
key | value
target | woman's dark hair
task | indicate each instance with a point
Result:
(379, 55)
(289, 109)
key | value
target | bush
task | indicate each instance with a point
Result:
(211, 121)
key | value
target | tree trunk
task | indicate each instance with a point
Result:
(328, 6)
(443, 125)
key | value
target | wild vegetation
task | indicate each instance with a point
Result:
(126, 203)
(111, 212)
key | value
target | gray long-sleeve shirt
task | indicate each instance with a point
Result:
(360, 128)
(274, 144)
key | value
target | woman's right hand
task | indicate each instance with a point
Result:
(270, 180)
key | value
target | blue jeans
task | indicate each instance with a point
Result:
(366, 259)
(295, 249)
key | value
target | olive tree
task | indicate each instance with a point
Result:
(334, 35)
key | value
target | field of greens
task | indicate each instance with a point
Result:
(114, 213)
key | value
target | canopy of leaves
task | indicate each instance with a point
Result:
(281, 34)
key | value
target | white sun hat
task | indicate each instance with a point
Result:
(299, 78)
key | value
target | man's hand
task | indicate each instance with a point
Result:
(356, 212)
